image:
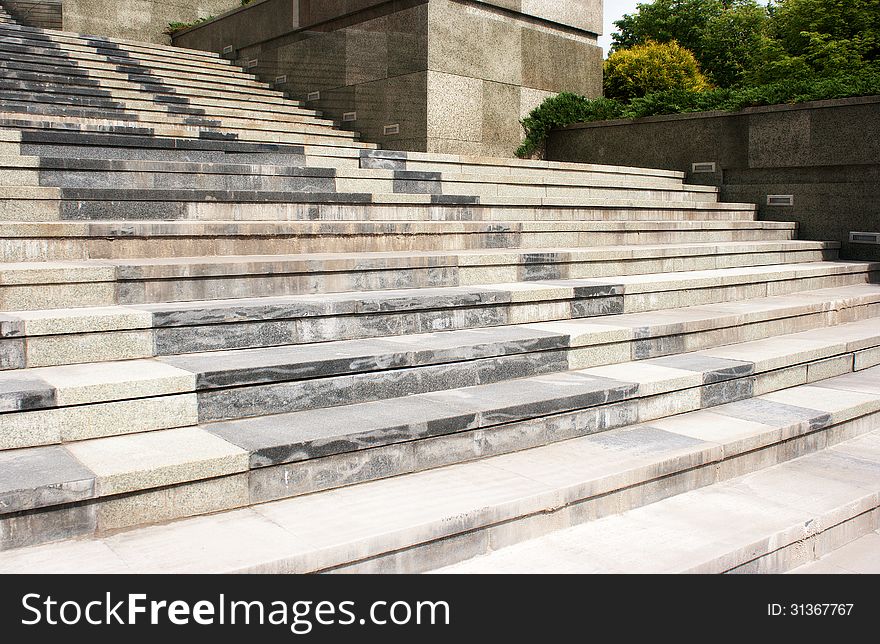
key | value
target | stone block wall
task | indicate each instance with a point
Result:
(450, 76)
(825, 154)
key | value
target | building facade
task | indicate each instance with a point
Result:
(448, 76)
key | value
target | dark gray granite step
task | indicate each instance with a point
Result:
(78, 141)
(61, 37)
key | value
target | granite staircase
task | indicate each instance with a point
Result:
(225, 321)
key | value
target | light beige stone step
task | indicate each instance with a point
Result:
(859, 557)
(23, 242)
(742, 504)
(48, 285)
(766, 522)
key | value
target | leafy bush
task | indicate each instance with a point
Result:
(566, 109)
(652, 67)
(174, 27)
(561, 110)
(722, 34)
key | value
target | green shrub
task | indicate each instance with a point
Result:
(652, 67)
(559, 111)
(174, 27)
(566, 109)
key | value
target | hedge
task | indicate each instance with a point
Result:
(565, 109)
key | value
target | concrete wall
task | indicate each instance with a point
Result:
(143, 20)
(826, 154)
(455, 75)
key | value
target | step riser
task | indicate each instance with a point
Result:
(122, 67)
(803, 551)
(500, 363)
(56, 93)
(458, 541)
(252, 401)
(181, 130)
(428, 556)
(199, 244)
(112, 167)
(89, 47)
(181, 181)
(151, 84)
(12, 113)
(68, 37)
(197, 335)
(110, 288)
(196, 96)
(91, 171)
(144, 154)
(321, 206)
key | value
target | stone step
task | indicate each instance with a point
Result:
(78, 167)
(77, 172)
(12, 111)
(36, 91)
(68, 37)
(428, 519)
(858, 557)
(431, 162)
(154, 68)
(767, 522)
(100, 49)
(89, 335)
(50, 285)
(73, 78)
(97, 145)
(133, 79)
(94, 195)
(88, 124)
(26, 242)
(109, 146)
(247, 383)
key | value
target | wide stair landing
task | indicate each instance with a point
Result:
(224, 321)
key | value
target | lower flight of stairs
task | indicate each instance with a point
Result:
(218, 330)
(763, 484)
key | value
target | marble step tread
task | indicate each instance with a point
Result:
(90, 124)
(38, 92)
(132, 68)
(90, 44)
(198, 313)
(126, 65)
(99, 52)
(65, 284)
(83, 165)
(224, 228)
(46, 337)
(61, 272)
(401, 161)
(535, 348)
(69, 36)
(48, 90)
(17, 113)
(107, 75)
(76, 79)
(394, 158)
(429, 519)
(766, 522)
(109, 140)
(859, 557)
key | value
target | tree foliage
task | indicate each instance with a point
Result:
(652, 67)
(722, 34)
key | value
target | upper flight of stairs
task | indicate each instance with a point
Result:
(225, 321)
